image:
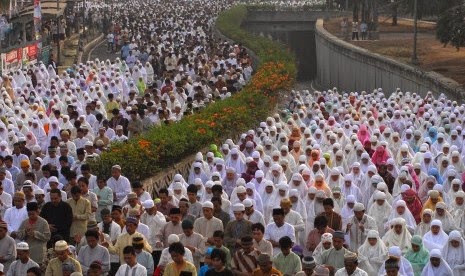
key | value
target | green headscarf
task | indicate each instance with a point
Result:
(417, 259)
(216, 152)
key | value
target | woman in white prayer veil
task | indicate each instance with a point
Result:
(425, 225)
(268, 200)
(348, 210)
(392, 167)
(442, 268)
(454, 253)
(275, 174)
(326, 243)
(445, 196)
(405, 268)
(436, 238)
(38, 130)
(457, 162)
(54, 130)
(372, 253)
(309, 204)
(239, 188)
(380, 211)
(19, 78)
(4, 149)
(441, 213)
(404, 152)
(365, 185)
(150, 73)
(398, 235)
(282, 141)
(298, 183)
(334, 179)
(298, 204)
(207, 194)
(12, 139)
(255, 196)
(51, 72)
(66, 123)
(449, 174)
(365, 163)
(400, 210)
(197, 172)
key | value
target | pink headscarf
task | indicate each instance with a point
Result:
(363, 134)
(380, 156)
(413, 175)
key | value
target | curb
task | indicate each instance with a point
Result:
(89, 46)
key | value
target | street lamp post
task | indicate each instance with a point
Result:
(58, 33)
(415, 32)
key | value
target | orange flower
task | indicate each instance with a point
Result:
(143, 144)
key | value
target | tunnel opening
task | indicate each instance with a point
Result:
(299, 37)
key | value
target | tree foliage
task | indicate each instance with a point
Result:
(428, 7)
(451, 27)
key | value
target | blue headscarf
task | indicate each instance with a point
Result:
(434, 172)
(433, 134)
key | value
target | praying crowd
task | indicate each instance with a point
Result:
(339, 183)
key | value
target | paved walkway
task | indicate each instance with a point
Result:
(100, 52)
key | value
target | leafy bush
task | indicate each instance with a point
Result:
(161, 147)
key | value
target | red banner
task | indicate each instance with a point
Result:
(32, 51)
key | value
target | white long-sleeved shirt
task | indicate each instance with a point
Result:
(14, 217)
(121, 187)
(137, 270)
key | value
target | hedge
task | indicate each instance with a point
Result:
(159, 148)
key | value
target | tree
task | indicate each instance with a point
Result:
(451, 27)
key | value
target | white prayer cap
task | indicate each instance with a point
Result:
(173, 238)
(53, 179)
(358, 207)
(148, 204)
(395, 251)
(39, 191)
(247, 203)
(404, 188)
(207, 204)
(259, 174)
(241, 189)
(238, 207)
(22, 246)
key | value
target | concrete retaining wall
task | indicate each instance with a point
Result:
(351, 68)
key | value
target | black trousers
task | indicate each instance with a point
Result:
(156, 257)
(113, 269)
